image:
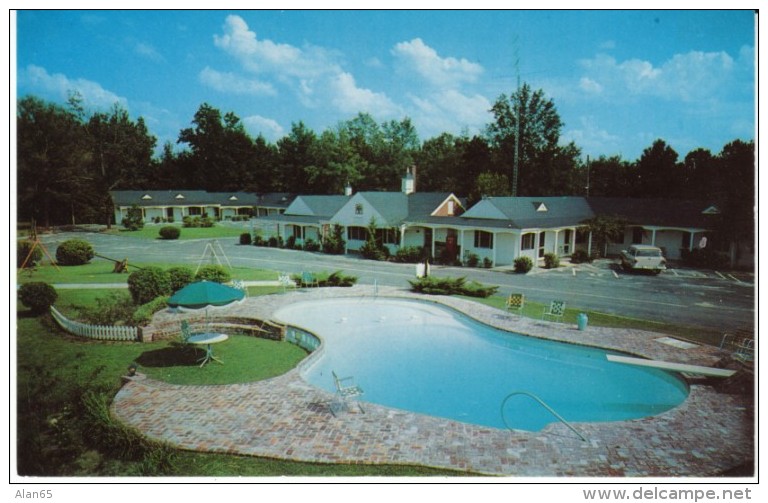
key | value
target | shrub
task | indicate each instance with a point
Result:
(523, 264)
(245, 238)
(374, 251)
(179, 277)
(213, 272)
(487, 263)
(290, 243)
(432, 285)
(37, 296)
(311, 245)
(580, 257)
(148, 283)
(143, 315)
(339, 279)
(335, 243)
(170, 232)
(551, 261)
(74, 252)
(259, 241)
(409, 255)
(23, 249)
(134, 219)
(115, 309)
(471, 259)
(706, 258)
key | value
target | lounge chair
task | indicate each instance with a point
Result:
(286, 281)
(346, 390)
(555, 311)
(308, 279)
(515, 302)
(240, 285)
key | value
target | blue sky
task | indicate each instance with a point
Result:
(619, 79)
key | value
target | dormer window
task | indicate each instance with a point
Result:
(233, 198)
(451, 208)
(146, 197)
(540, 206)
(712, 210)
(358, 209)
(179, 196)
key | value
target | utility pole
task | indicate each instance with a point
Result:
(517, 124)
(587, 176)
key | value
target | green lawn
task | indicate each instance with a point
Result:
(59, 434)
(100, 271)
(535, 310)
(152, 231)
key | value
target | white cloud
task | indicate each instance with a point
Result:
(591, 137)
(349, 98)
(269, 128)
(451, 111)
(313, 73)
(231, 83)
(692, 76)
(149, 52)
(442, 72)
(266, 56)
(59, 86)
(590, 85)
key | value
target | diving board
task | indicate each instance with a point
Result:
(676, 367)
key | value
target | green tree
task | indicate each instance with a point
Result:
(736, 222)
(527, 126)
(296, 156)
(491, 185)
(604, 229)
(657, 171)
(52, 155)
(122, 153)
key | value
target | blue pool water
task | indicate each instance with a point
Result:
(432, 360)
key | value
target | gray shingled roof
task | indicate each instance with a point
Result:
(198, 197)
(661, 212)
(161, 197)
(325, 206)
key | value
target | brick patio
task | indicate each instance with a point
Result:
(709, 433)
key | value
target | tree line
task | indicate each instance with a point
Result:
(69, 161)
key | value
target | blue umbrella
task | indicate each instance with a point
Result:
(204, 294)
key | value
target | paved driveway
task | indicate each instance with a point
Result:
(719, 300)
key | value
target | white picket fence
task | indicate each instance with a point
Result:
(100, 332)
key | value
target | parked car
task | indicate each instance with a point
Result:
(643, 258)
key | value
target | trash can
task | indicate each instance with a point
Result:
(581, 321)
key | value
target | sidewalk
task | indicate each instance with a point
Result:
(92, 286)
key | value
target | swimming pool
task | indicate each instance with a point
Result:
(432, 360)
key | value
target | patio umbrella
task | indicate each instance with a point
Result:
(203, 294)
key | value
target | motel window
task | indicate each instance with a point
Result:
(387, 236)
(483, 239)
(357, 233)
(527, 241)
(637, 235)
(195, 211)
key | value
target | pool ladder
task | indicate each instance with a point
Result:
(543, 404)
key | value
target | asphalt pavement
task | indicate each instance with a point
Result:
(722, 300)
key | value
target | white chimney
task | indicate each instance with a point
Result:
(409, 181)
(348, 190)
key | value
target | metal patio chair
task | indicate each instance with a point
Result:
(346, 390)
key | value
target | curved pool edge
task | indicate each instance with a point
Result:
(284, 417)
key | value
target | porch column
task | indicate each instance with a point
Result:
(536, 249)
(433, 243)
(653, 237)
(589, 244)
(461, 243)
(495, 240)
(555, 246)
(402, 234)
(690, 242)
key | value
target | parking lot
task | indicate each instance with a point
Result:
(720, 300)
